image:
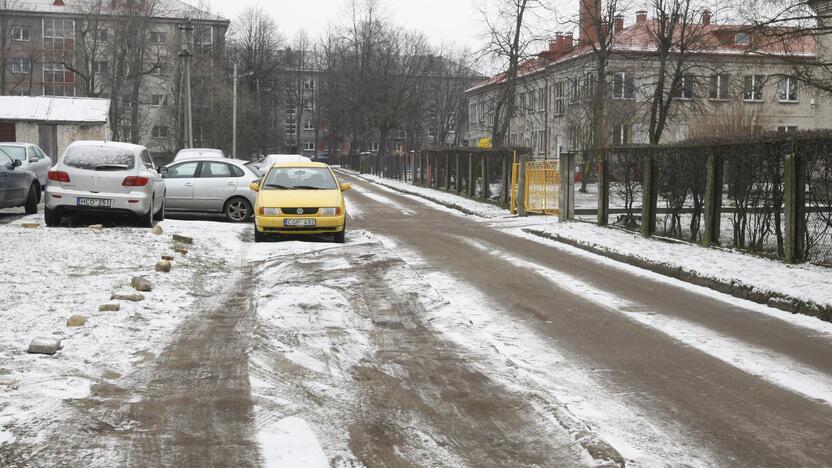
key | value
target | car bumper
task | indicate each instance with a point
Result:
(275, 225)
(135, 202)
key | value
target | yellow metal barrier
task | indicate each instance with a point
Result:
(542, 187)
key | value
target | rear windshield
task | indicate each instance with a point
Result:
(252, 166)
(300, 178)
(17, 152)
(98, 158)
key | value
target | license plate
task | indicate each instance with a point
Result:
(95, 202)
(300, 222)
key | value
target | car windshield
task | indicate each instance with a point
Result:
(99, 158)
(17, 152)
(253, 167)
(300, 178)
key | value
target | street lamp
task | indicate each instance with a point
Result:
(234, 110)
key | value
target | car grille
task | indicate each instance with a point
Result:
(295, 212)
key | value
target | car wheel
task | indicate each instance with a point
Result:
(146, 220)
(160, 216)
(237, 210)
(341, 237)
(51, 217)
(259, 236)
(32, 200)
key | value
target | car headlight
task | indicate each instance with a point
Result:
(330, 211)
(270, 211)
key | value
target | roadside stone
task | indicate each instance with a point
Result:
(8, 382)
(44, 345)
(96, 227)
(135, 297)
(30, 225)
(180, 250)
(169, 258)
(76, 321)
(157, 230)
(141, 284)
(109, 308)
(163, 266)
(183, 239)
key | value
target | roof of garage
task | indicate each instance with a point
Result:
(54, 109)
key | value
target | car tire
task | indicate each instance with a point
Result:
(160, 216)
(341, 237)
(237, 210)
(146, 220)
(31, 205)
(51, 217)
(259, 236)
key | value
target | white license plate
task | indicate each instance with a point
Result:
(95, 202)
(300, 222)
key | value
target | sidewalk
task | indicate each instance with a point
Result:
(805, 289)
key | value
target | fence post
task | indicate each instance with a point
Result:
(603, 187)
(504, 180)
(470, 175)
(566, 198)
(434, 169)
(649, 193)
(521, 186)
(713, 199)
(457, 178)
(447, 172)
(794, 188)
(485, 188)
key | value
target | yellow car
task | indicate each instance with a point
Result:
(300, 198)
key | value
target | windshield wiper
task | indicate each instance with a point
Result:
(279, 187)
(308, 187)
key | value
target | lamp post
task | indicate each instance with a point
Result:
(186, 55)
(234, 110)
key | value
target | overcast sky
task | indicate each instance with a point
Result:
(444, 21)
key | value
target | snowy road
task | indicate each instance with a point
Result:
(430, 339)
(666, 372)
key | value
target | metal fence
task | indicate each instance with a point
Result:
(771, 197)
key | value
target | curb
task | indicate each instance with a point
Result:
(738, 289)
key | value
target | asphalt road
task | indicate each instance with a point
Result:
(739, 418)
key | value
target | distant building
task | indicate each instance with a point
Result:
(53, 122)
(75, 48)
(735, 71)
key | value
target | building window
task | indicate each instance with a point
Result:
(573, 98)
(160, 70)
(21, 33)
(720, 86)
(686, 87)
(560, 105)
(307, 125)
(57, 80)
(158, 100)
(375, 146)
(309, 146)
(522, 102)
(742, 39)
(589, 85)
(58, 34)
(533, 100)
(21, 65)
(623, 86)
(788, 90)
(100, 66)
(753, 87)
(787, 130)
(160, 131)
(309, 105)
(204, 39)
(158, 38)
(102, 35)
(541, 99)
(309, 84)
(622, 134)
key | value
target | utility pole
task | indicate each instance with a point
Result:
(186, 55)
(234, 111)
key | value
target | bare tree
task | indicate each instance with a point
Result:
(12, 31)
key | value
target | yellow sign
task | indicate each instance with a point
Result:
(484, 143)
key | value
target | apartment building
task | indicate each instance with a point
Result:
(733, 76)
(124, 50)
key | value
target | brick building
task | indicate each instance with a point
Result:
(90, 48)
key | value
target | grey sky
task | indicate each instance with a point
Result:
(444, 21)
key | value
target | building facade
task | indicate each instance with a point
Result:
(124, 50)
(734, 79)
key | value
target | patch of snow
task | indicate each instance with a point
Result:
(291, 442)
(6, 437)
(768, 365)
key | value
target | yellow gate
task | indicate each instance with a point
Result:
(542, 187)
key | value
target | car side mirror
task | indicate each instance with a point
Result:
(17, 163)
(163, 171)
(254, 186)
(345, 187)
